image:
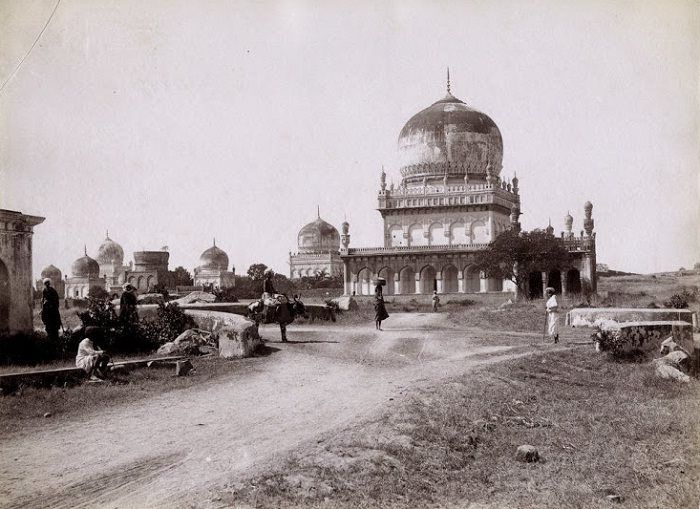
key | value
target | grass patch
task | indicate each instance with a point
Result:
(601, 427)
(26, 407)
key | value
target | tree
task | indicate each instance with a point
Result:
(514, 256)
(181, 277)
(97, 292)
(256, 272)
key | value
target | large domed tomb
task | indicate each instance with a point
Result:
(449, 138)
(318, 244)
(213, 269)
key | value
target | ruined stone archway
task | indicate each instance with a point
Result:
(472, 282)
(407, 280)
(554, 280)
(387, 274)
(363, 282)
(5, 299)
(428, 280)
(450, 283)
(573, 282)
(534, 285)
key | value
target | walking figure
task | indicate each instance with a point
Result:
(380, 312)
(436, 300)
(552, 308)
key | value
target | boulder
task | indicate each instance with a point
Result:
(238, 336)
(505, 305)
(150, 298)
(193, 297)
(672, 366)
(527, 454)
(345, 303)
(669, 345)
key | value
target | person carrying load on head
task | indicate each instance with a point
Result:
(552, 314)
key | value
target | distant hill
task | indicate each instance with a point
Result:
(610, 273)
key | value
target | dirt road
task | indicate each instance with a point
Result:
(163, 451)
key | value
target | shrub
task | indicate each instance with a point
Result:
(169, 323)
(227, 294)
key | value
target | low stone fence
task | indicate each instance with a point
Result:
(597, 317)
(644, 337)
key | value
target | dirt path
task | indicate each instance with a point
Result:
(154, 452)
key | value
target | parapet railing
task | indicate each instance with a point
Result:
(419, 249)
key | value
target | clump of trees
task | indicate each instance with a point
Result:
(514, 255)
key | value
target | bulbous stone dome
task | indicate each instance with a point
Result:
(318, 236)
(110, 252)
(85, 267)
(214, 259)
(51, 272)
(450, 137)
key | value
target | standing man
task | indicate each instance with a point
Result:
(552, 314)
(127, 306)
(436, 300)
(50, 314)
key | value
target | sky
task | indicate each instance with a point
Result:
(172, 122)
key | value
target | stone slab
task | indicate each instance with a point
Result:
(238, 336)
(596, 317)
(646, 336)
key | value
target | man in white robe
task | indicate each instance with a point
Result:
(92, 360)
(552, 314)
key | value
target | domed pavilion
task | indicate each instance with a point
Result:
(54, 274)
(110, 257)
(318, 245)
(85, 275)
(213, 269)
(452, 201)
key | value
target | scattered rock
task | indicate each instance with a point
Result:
(187, 343)
(48, 414)
(505, 305)
(615, 499)
(527, 454)
(673, 365)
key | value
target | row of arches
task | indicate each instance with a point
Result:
(566, 283)
(425, 281)
(141, 283)
(436, 234)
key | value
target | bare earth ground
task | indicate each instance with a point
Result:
(172, 449)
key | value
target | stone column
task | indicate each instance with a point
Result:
(483, 283)
(544, 283)
(397, 284)
(564, 290)
(417, 283)
(460, 281)
(440, 283)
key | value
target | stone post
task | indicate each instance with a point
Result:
(460, 281)
(440, 283)
(544, 283)
(417, 283)
(483, 283)
(397, 284)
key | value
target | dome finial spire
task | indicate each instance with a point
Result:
(85, 249)
(448, 80)
(214, 241)
(318, 211)
(107, 234)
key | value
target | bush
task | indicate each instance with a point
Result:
(681, 300)
(227, 294)
(169, 323)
